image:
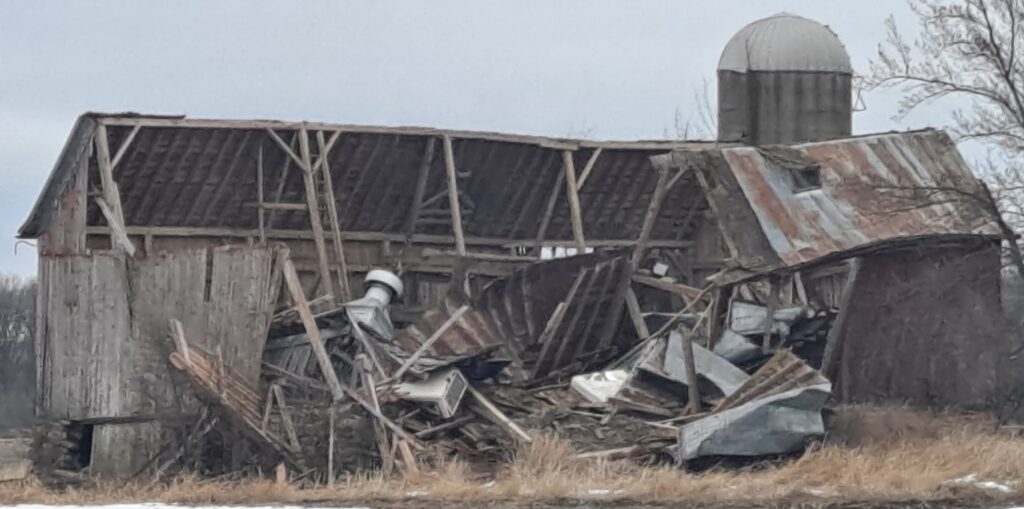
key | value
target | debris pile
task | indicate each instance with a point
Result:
(344, 388)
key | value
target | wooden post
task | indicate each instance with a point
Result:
(291, 277)
(383, 444)
(453, 196)
(314, 214)
(693, 391)
(833, 342)
(330, 448)
(335, 221)
(261, 212)
(549, 211)
(111, 196)
(574, 202)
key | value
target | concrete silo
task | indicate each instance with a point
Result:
(784, 79)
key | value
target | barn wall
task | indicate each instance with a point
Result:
(105, 338)
(927, 328)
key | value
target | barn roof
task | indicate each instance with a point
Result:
(183, 172)
(870, 190)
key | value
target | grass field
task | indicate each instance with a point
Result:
(871, 455)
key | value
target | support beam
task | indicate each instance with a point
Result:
(549, 210)
(314, 213)
(334, 220)
(453, 196)
(574, 202)
(261, 213)
(291, 277)
(430, 341)
(653, 208)
(124, 147)
(111, 196)
(368, 236)
(421, 188)
(589, 167)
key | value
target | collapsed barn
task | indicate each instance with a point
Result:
(231, 295)
(240, 231)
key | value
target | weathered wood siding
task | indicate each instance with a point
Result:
(105, 333)
(85, 338)
(121, 450)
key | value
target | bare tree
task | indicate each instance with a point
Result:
(701, 122)
(17, 307)
(970, 49)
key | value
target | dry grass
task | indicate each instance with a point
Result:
(891, 454)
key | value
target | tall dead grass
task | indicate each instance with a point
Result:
(872, 454)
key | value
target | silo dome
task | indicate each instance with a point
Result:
(784, 79)
(785, 42)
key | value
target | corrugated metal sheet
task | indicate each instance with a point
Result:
(196, 173)
(511, 314)
(867, 193)
(785, 42)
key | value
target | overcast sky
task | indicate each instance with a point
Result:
(609, 69)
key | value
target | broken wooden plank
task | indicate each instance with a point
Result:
(633, 306)
(692, 389)
(687, 293)
(430, 341)
(286, 417)
(498, 417)
(445, 426)
(299, 298)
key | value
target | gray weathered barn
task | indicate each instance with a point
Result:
(146, 219)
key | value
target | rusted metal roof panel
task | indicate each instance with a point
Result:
(873, 189)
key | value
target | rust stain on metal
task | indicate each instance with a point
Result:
(873, 189)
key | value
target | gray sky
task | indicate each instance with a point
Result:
(611, 69)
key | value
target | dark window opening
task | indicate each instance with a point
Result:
(807, 178)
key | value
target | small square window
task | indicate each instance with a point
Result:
(807, 178)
